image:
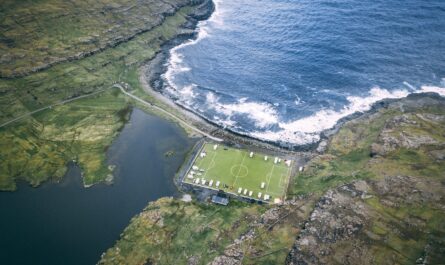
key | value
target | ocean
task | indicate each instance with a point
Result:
(284, 71)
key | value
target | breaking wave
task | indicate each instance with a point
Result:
(260, 68)
(308, 129)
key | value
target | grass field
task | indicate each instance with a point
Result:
(234, 169)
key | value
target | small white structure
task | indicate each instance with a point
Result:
(195, 168)
(192, 172)
(202, 155)
(287, 162)
(245, 191)
(211, 183)
(197, 181)
(251, 154)
(203, 181)
(277, 201)
(265, 158)
(300, 169)
(189, 176)
(266, 197)
(217, 184)
(250, 193)
(215, 147)
(259, 195)
(279, 160)
(263, 184)
(240, 190)
(276, 160)
(199, 174)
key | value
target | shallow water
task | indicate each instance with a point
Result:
(284, 70)
(67, 224)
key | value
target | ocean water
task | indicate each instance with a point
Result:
(285, 70)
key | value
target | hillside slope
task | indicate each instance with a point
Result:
(38, 147)
(38, 34)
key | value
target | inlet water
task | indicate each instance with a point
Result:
(67, 224)
(284, 70)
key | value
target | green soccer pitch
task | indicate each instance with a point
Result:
(235, 171)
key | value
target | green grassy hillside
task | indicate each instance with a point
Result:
(38, 148)
(37, 34)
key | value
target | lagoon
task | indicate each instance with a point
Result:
(65, 223)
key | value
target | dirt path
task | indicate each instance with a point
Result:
(48, 107)
(169, 113)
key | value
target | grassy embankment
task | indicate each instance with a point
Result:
(38, 148)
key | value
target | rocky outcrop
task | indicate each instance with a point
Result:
(344, 227)
(391, 214)
(411, 137)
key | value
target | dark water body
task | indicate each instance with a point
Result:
(68, 224)
(284, 70)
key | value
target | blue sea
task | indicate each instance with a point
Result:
(284, 71)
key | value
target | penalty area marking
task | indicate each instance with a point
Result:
(211, 164)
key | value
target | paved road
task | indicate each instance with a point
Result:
(169, 113)
(48, 107)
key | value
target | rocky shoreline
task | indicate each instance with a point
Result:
(150, 76)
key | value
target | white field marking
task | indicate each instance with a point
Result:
(280, 180)
(212, 162)
(281, 184)
(286, 180)
(270, 177)
(236, 177)
(194, 160)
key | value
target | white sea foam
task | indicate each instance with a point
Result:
(306, 130)
(435, 89)
(409, 85)
(298, 100)
(175, 63)
(262, 114)
(301, 131)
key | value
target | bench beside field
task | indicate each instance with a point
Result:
(240, 173)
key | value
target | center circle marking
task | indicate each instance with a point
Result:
(239, 171)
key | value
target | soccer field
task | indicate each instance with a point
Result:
(235, 171)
